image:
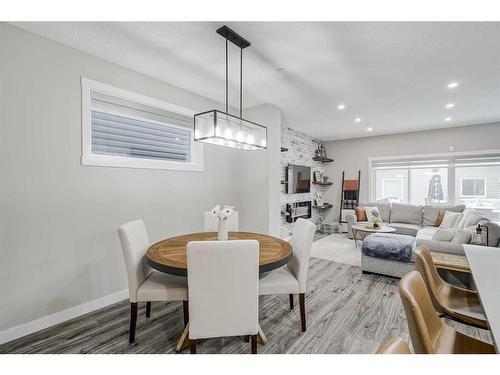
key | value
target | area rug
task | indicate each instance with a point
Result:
(337, 248)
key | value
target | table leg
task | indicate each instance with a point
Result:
(183, 342)
(358, 238)
(261, 337)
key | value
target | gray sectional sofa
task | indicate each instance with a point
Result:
(417, 221)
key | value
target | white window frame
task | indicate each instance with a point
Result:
(394, 179)
(89, 158)
(451, 170)
(472, 196)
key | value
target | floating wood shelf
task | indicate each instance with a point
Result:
(324, 207)
(322, 183)
(284, 149)
(323, 160)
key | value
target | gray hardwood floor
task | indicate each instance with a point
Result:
(347, 312)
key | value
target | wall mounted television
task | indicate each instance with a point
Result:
(298, 179)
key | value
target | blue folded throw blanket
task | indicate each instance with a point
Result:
(388, 246)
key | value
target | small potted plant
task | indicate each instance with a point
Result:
(376, 219)
(222, 214)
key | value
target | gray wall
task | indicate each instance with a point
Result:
(352, 155)
(59, 246)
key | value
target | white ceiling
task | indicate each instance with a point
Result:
(392, 75)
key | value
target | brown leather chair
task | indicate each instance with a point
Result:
(429, 335)
(456, 303)
(394, 345)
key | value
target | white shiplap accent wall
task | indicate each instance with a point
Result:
(301, 149)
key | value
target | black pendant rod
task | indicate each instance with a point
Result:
(242, 43)
(241, 83)
(226, 81)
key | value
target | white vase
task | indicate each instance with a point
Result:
(222, 233)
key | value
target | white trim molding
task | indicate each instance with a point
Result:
(88, 158)
(61, 316)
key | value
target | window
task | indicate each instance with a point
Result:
(124, 129)
(473, 187)
(471, 178)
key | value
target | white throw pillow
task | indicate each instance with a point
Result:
(467, 212)
(451, 220)
(462, 236)
(444, 234)
(369, 213)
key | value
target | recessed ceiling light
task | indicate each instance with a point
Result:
(357, 119)
(369, 129)
(450, 105)
(447, 119)
(341, 107)
(452, 85)
(280, 69)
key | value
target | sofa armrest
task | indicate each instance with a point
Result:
(351, 219)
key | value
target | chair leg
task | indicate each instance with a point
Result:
(291, 301)
(302, 305)
(133, 321)
(148, 309)
(253, 339)
(193, 346)
(185, 312)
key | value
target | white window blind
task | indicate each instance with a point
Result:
(129, 130)
(125, 128)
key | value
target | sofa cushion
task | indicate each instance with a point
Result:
(384, 208)
(461, 236)
(426, 233)
(431, 213)
(441, 246)
(406, 213)
(444, 234)
(451, 220)
(407, 229)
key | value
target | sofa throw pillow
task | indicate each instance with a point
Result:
(461, 236)
(439, 218)
(360, 214)
(473, 219)
(467, 212)
(372, 213)
(451, 220)
(444, 234)
(431, 213)
(384, 209)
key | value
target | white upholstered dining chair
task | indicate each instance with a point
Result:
(292, 278)
(145, 284)
(223, 284)
(211, 223)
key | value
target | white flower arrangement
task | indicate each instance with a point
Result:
(222, 213)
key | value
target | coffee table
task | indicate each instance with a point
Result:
(360, 231)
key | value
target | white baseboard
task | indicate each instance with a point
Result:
(61, 316)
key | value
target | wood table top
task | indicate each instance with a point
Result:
(170, 256)
(453, 262)
(369, 228)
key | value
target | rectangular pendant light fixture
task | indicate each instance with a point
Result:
(222, 128)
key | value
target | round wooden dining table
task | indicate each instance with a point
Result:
(170, 256)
